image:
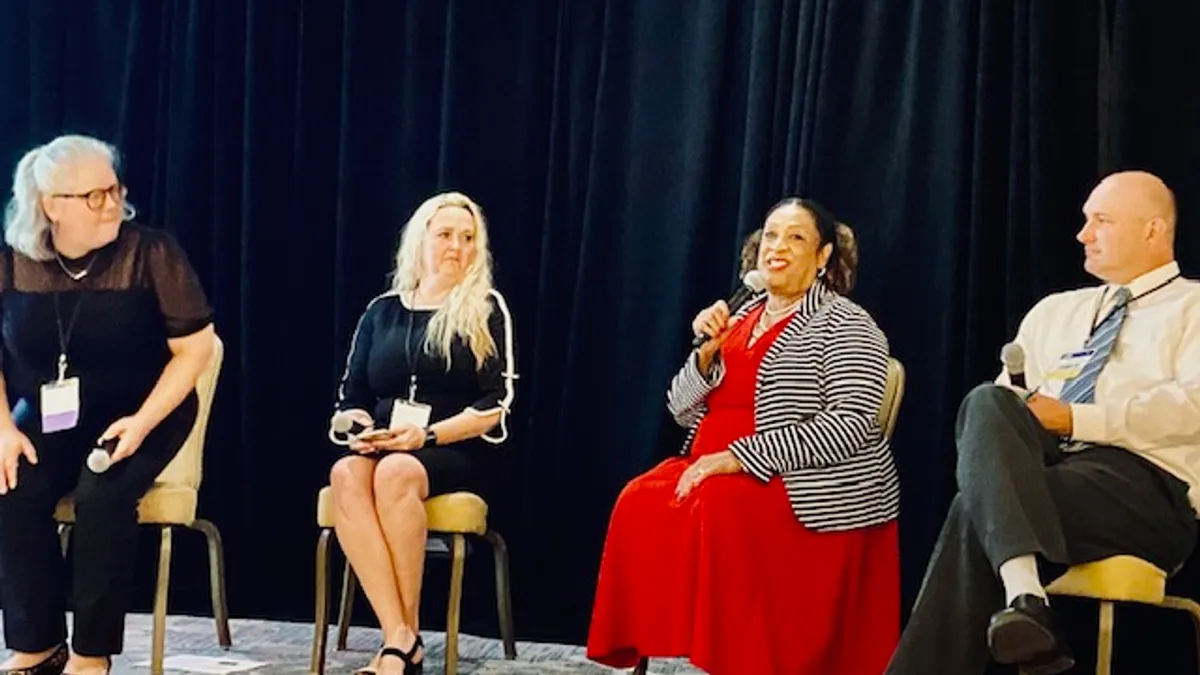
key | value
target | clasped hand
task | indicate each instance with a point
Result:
(1054, 415)
(403, 438)
(704, 468)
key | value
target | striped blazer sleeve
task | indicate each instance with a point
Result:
(689, 390)
(852, 378)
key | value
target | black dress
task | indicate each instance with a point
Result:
(388, 340)
(138, 292)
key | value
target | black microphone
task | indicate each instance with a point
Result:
(1013, 358)
(752, 283)
(101, 457)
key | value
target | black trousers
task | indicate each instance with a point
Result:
(33, 574)
(1019, 494)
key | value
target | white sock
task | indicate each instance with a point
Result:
(1020, 576)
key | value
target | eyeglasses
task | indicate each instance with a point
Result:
(95, 198)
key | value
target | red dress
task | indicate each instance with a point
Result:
(729, 577)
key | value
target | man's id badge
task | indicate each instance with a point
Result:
(409, 412)
(60, 405)
(1070, 364)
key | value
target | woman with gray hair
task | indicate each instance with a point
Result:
(105, 331)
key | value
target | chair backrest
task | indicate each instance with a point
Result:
(893, 393)
(186, 469)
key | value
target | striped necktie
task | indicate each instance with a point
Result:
(1082, 388)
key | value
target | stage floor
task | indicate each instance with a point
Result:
(286, 647)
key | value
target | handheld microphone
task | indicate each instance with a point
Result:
(344, 424)
(101, 456)
(752, 283)
(1013, 358)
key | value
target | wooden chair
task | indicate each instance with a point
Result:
(1121, 578)
(893, 394)
(453, 515)
(172, 503)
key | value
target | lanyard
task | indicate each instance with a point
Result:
(64, 336)
(1139, 296)
(408, 353)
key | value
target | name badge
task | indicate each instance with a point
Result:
(60, 405)
(410, 412)
(1070, 364)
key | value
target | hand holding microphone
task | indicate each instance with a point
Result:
(101, 456)
(346, 425)
(1013, 358)
(1012, 355)
(711, 321)
(119, 441)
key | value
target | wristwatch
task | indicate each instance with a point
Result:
(430, 438)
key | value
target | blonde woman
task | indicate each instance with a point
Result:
(429, 378)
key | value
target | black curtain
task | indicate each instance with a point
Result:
(621, 151)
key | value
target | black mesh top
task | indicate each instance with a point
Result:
(138, 292)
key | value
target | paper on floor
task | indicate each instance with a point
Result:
(210, 665)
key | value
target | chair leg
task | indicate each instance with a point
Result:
(503, 595)
(1104, 639)
(349, 588)
(159, 637)
(453, 609)
(216, 579)
(642, 667)
(1193, 609)
(64, 537)
(321, 615)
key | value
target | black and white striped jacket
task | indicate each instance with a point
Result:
(816, 405)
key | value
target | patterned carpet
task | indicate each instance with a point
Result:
(285, 647)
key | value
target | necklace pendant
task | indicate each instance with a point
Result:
(76, 276)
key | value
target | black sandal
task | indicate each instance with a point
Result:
(410, 668)
(51, 665)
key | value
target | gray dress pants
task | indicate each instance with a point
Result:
(1020, 494)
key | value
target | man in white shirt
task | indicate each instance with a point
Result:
(1100, 456)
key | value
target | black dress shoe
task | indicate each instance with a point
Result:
(1026, 634)
(51, 665)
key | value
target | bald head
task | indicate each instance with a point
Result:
(1129, 228)
(1145, 193)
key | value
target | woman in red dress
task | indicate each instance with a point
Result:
(771, 547)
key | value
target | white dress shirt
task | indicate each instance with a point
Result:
(1148, 394)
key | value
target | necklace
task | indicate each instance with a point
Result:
(77, 276)
(768, 318)
(783, 310)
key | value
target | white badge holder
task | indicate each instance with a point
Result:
(410, 411)
(60, 401)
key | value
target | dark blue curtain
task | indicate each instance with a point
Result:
(621, 150)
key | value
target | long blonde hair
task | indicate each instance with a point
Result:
(26, 227)
(467, 308)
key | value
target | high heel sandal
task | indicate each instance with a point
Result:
(51, 665)
(410, 668)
